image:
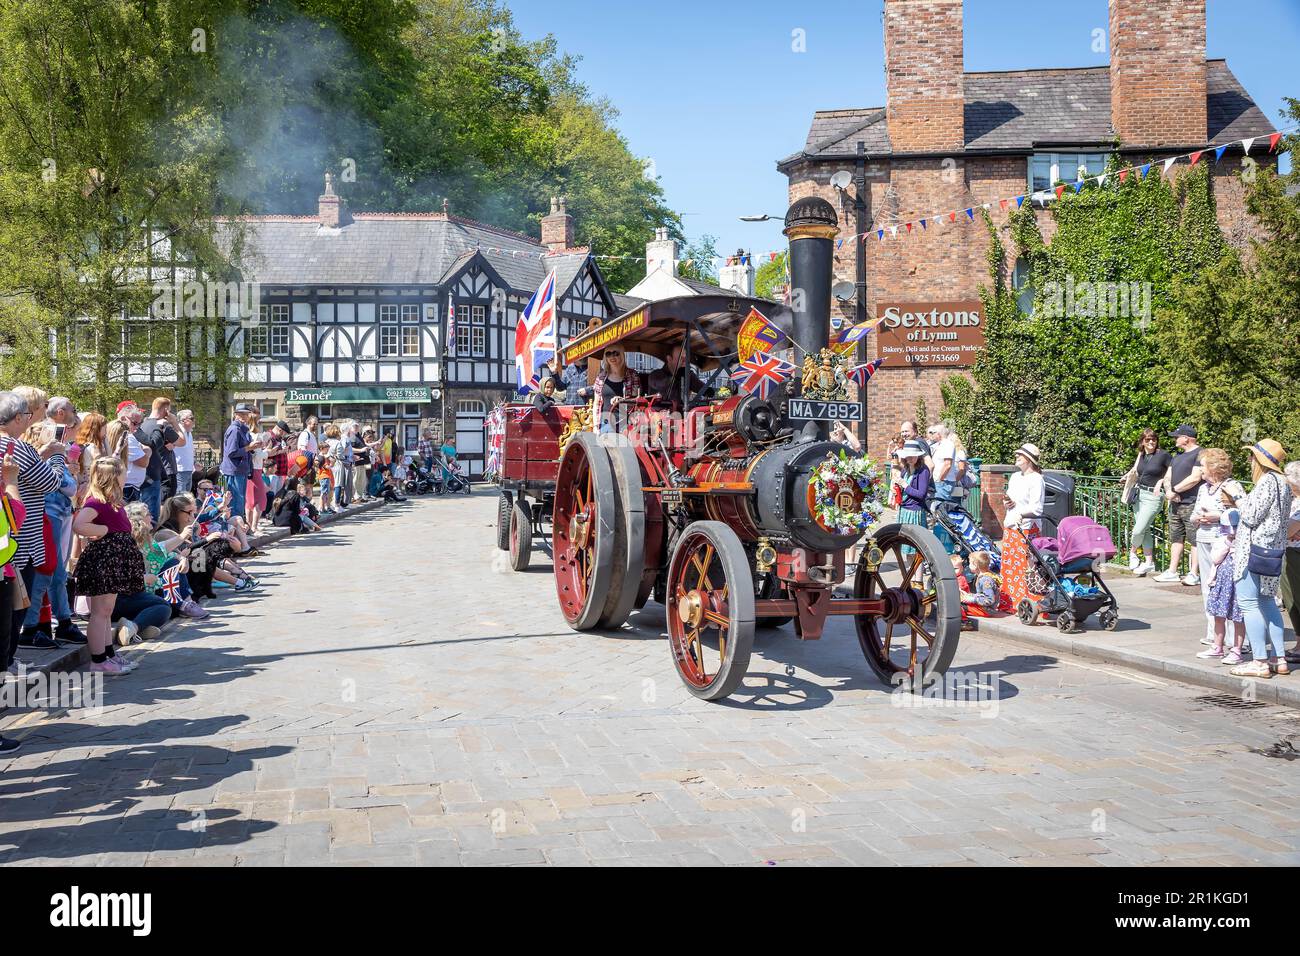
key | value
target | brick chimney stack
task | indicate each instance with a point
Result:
(557, 228)
(331, 210)
(925, 102)
(1157, 72)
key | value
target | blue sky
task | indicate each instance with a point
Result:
(713, 93)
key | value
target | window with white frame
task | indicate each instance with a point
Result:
(479, 314)
(388, 410)
(462, 338)
(257, 336)
(279, 331)
(1048, 169)
(388, 341)
(410, 313)
(411, 410)
(479, 340)
(411, 341)
(388, 313)
(462, 315)
(266, 410)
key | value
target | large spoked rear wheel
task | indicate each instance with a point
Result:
(710, 609)
(914, 640)
(584, 531)
(629, 529)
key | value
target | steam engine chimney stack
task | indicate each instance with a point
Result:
(811, 225)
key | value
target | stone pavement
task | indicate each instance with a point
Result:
(1158, 633)
(395, 694)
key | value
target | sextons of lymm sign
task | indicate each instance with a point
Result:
(941, 334)
(355, 395)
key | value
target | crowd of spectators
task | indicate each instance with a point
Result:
(113, 521)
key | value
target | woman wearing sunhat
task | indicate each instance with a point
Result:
(1257, 558)
(916, 484)
(1024, 499)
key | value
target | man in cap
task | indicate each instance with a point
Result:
(236, 460)
(1183, 481)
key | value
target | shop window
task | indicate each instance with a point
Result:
(388, 411)
(411, 410)
(267, 410)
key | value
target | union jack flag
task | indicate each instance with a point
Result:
(761, 373)
(861, 374)
(170, 584)
(535, 339)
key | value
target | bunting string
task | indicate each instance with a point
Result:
(924, 224)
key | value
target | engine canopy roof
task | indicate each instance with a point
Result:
(654, 328)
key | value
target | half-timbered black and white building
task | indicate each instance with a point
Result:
(355, 311)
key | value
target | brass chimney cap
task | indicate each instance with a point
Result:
(811, 216)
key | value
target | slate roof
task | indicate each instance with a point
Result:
(1021, 110)
(396, 249)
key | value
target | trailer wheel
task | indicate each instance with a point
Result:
(710, 609)
(521, 536)
(923, 606)
(584, 531)
(505, 501)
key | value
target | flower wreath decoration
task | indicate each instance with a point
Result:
(847, 493)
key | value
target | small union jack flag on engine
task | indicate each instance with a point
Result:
(170, 584)
(860, 375)
(761, 373)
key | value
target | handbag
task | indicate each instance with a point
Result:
(1267, 562)
(1129, 495)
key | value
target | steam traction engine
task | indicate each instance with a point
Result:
(711, 507)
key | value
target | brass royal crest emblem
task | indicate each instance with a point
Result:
(824, 378)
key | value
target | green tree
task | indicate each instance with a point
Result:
(697, 260)
(111, 143)
(771, 278)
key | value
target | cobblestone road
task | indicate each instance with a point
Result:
(395, 694)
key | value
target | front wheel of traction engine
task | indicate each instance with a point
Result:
(505, 503)
(915, 638)
(710, 609)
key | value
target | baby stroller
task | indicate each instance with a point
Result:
(966, 534)
(452, 481)
(1066, 571)
(419, 480)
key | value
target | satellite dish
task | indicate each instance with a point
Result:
(842, 179)
(844, 291)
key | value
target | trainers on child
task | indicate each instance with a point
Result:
(1211, 653)
(110, 665)
(1192, 580)
(1232, 657)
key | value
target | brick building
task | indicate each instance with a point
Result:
(948, 140)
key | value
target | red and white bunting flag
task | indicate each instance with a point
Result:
(1247, 143)
(1273, 141)
(1003, 204)
(1170, 162)
(1059, 190)
(1123, 175)
(1195, 157)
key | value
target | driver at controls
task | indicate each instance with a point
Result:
(666, 382)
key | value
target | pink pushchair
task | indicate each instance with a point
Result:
(1071, 583)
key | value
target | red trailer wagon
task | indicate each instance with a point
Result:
(529, 441)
